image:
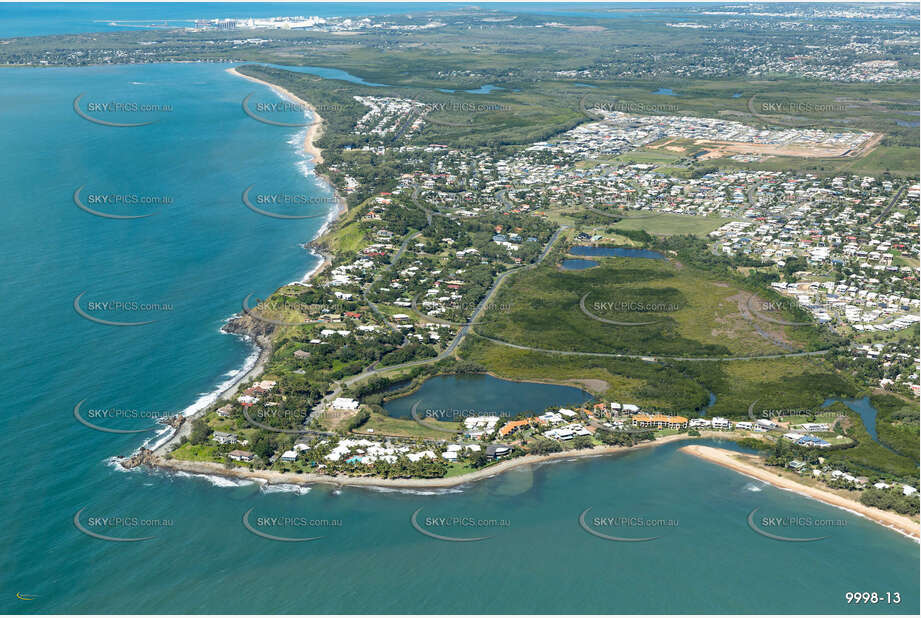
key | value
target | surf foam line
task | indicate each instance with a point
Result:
(206, 399)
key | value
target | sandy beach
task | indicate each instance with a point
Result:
(314, 131)
(272, 476)
(744, 464)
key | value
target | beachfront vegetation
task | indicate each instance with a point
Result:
(897, 424)
(890, 500)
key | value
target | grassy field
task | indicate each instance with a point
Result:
(648, 156)
(667, 225)
(191, 452)
(799, 419)
(387, 425)
(897, 160)
(348, 236)
(691, 315)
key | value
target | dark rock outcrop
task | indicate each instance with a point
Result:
(144, 457)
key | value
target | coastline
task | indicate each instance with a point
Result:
(262, 343)
(314, 131)
(900, 523)
(265, 351)
(292, 478)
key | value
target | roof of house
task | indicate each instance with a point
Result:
(658, 418)
(511, 426)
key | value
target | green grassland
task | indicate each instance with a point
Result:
(545, 312)
(347, 238)
(895, 160)
(798, 419)
(668, 224)
(382, 424)
(648, 156)
(192, 452)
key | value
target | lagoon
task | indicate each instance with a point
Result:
(483, 394)
(615, 252)
(324, 72)
(865, 410)
(570, 264)
(484, 89)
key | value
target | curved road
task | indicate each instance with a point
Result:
(449, 350)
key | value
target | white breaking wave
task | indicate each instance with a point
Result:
(206, 399)
(297, 140)
(414, 492)
(305, 167)
(284, 488)
(753, 487)
(157, 439)
(115, 463)
(217, 481)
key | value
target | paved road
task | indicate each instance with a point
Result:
(892, 203)
(449, 350)
(415, 200)
(502, 196)
(750, 195)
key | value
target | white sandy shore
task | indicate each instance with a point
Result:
(314, 131)
(265, 349)
(745, 464)
(272, 476)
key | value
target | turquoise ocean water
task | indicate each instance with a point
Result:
(201, 254)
